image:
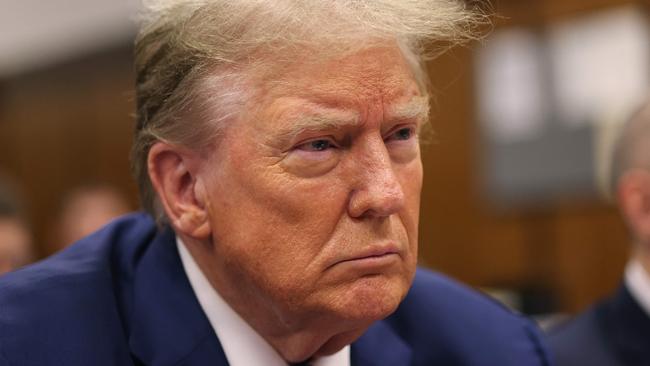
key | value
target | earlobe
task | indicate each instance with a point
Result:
(197, 221)
(194, 223)
(172, 171)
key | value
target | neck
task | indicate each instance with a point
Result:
(302, 346)
(296, 336)
(644, 259)
(641, 254)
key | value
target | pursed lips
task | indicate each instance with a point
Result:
(377, 252)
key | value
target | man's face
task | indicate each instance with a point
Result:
(314, 195)
(15, 244)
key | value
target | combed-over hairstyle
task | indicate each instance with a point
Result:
(189, 46)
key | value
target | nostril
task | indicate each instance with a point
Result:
(394, 200)
(376, 200)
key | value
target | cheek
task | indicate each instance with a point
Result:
(275, 231)
(410, 177)
(310, 164)
(305, 218)
(270, 215)
(411, 181)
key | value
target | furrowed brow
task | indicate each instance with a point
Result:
(330, 120)
(415, 109)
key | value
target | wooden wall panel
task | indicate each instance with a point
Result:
(574, 249)
(71, 124)
(65, 127)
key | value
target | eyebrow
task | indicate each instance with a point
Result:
(325, 119)
(417, 108)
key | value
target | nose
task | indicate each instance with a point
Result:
(378, 192)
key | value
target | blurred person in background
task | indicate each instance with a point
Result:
(277, 155)
(616, 331)
(85, 209)
(15, 236)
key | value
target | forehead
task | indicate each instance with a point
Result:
(379, 73)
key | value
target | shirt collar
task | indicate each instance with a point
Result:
(637, 281)
(241, 343)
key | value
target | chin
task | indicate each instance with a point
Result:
(339, 341)
(373, 298)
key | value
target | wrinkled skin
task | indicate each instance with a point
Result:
(311, 202)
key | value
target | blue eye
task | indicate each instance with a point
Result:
(403, 134)
(316, 145)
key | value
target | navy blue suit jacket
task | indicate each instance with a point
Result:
(121, 297)
(615, 332)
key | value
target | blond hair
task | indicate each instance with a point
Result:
(186, 46)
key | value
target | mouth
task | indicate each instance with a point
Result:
(375, 257)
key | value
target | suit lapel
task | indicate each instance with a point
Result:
(168, 326)
(380, 346)
(628, 328)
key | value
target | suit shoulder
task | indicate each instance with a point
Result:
(436, 291)
(114, 246)
(568, 341)
(461, 325)
(71, 292)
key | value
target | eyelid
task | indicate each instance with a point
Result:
(414, 127)
(330, 139)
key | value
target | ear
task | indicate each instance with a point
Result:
(172, 171)
(634, 198)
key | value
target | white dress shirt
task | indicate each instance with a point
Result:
(241, 343)
(637, 281)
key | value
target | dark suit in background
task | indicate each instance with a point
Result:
(612, 333)
(121, 297)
